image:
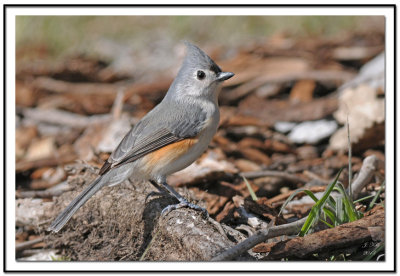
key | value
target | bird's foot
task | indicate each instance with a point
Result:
(184, 204)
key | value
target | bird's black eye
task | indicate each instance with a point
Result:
(201, 75)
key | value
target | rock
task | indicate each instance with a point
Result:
(312, 132)
(284, 127)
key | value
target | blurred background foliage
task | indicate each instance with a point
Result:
(59, 35)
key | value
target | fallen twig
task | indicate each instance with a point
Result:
(63, 118)
(316, 177)
(59, 86)
(218, 226)
(118, 104)
(28, 244)
(48, 193)
(45, 162)
(260, 236)
(283, 175)
(369, 167)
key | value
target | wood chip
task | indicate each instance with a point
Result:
(256, 156)
(302, 91)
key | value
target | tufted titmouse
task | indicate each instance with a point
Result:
(168, 138)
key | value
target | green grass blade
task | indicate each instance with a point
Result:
(326, 223)
(349, 208)
(313, 216)
(331, 202)
(252, 193)
(296, 192)
(349, 156)
(327, 211)
(330, 213)
(329, 189)
(339, 211)
(363, 198)
(376, 196)
(310, 194)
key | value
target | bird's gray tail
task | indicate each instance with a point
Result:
(75, 204)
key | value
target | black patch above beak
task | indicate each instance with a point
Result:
(222, 76)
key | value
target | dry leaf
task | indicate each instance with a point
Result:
(365, 111)
(41, 148)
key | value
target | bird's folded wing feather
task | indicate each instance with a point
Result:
(145, 138)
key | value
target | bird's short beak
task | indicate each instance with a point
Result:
(222, 76)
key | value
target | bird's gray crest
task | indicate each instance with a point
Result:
(197, 59)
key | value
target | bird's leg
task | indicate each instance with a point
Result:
(183, 202)
(161, 190)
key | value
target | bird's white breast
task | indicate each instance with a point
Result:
(203, 140)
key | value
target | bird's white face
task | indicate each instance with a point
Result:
(197, 84)
(205, 82)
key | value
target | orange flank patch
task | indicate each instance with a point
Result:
(170, 152)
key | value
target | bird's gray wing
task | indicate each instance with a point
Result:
(154, 132)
